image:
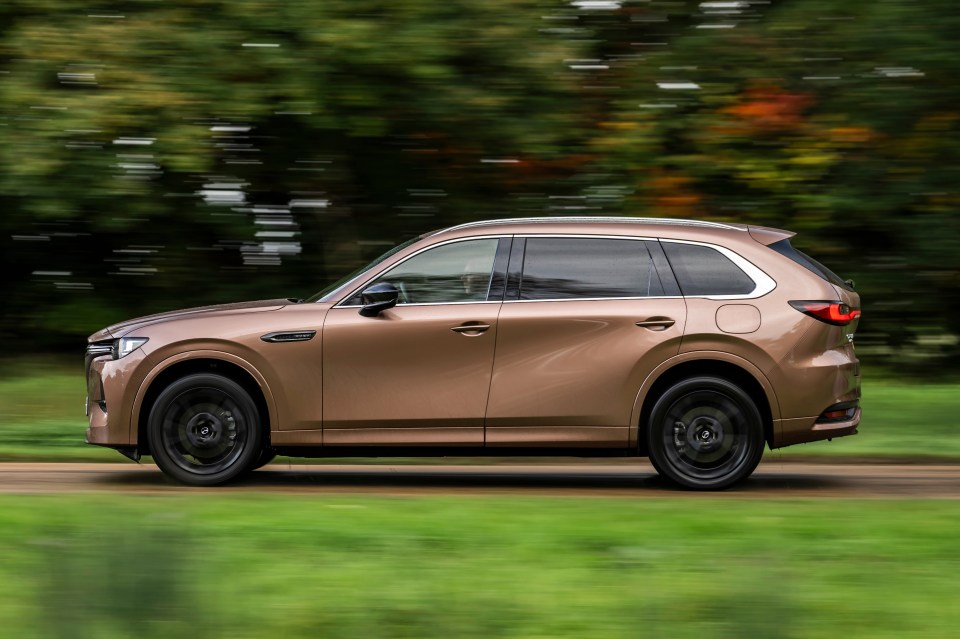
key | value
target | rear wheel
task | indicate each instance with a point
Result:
(204, 430)
(705, 433)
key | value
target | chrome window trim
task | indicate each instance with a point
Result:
(425, 304)
(596, 299)
(763, 282)
(356, 290)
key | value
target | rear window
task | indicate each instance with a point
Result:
(783, 247)
(570, 268)
(702, 270)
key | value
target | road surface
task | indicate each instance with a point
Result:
(595, 478)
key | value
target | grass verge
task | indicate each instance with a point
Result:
(256, 566)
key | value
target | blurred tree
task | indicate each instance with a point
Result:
(145, 146)
(155, 155)
(837, 120)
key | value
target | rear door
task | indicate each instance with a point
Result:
(584, 321)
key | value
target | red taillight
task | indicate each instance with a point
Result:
(836, 313)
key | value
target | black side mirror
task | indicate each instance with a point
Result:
(378, 298)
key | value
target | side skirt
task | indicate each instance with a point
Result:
(439, 451)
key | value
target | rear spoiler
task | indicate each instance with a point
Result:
(767, 236)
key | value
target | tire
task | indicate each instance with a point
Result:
(204, 430)
(267, 455)
(705, 433)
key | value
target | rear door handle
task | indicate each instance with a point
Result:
(656, 323)
(470, 328)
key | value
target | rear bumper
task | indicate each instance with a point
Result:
(808, 429)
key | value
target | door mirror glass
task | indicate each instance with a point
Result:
(378, 298)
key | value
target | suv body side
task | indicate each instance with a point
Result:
(557, 372)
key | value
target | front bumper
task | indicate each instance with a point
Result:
(111, 388)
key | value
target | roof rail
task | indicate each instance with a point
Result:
(596, 220)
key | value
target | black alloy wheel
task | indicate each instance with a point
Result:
(705, 433)
(205, 430)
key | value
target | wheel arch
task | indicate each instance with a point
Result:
(177, 366)
(716, 363)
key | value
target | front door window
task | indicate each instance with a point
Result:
(450, 273)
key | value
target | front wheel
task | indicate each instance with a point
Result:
(204, 430)
(705, 433)
(267, 455)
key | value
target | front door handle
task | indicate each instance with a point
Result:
(656, 323)
(470, 328)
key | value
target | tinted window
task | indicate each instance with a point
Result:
(457, 272)
(702, 270)
(564, 268)
(783, 247)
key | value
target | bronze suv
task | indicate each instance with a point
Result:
(692, 343)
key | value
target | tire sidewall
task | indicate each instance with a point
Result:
(247, 458)
(655, 439)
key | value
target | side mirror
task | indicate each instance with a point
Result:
(378, 298)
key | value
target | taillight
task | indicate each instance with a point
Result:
(836, 313)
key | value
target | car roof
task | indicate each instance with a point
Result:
(653, 226)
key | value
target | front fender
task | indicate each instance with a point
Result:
(171, 360)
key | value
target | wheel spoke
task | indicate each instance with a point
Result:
(203, 431)
(705, 435)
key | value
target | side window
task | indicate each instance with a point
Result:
(456, 272)
(702, 270)
(570, 268)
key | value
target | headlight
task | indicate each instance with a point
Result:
(126, 345)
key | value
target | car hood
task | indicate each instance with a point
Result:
(122, 328)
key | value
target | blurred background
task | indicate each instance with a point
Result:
(158, 155)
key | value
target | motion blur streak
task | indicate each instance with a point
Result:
(175, 123)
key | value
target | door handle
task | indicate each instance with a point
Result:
(656, 323)
(470, 328)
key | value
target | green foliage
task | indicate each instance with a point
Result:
(230, 565)
(145, 147)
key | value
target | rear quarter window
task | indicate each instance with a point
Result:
(784, 248)
(702, 270)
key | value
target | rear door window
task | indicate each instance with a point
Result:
(705, 271)
(557, 268)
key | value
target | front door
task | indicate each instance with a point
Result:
(419, 373)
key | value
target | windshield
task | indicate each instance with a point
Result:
(328, 292)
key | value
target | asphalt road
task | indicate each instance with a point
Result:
(620, 478)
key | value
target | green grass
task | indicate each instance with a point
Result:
(41, 418)
(900, 420)
(41, 415)
(238, 566)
